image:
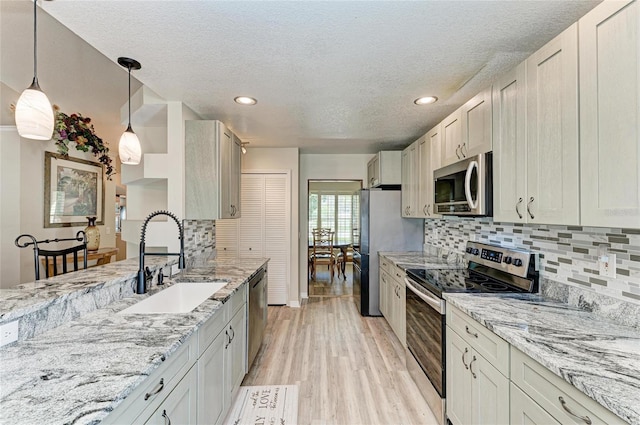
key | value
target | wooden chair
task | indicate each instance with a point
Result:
(322, 253)
(66, 254)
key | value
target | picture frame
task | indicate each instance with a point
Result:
(73, 191)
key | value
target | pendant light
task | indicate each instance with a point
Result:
(129, 148)
(34, 114)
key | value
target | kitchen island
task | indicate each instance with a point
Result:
(83, 368)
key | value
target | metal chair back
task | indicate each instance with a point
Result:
(53, 255)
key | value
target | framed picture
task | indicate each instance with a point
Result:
(73, 191)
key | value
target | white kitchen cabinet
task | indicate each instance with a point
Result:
(552, 132)
(393, 303)
(385, 291)
(510, 146)
(525, 411)
(264, 229)
(477, 372)
(609, 41)
(384, 169)
(236, 351)
(212, 171)
(451, 139)
(476, 125)
(180, 405)
(429, 154)
(410, 175)
(212, 395)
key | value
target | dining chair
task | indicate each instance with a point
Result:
(52, 257)
(323, 252)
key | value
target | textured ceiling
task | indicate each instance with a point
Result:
(331, 76)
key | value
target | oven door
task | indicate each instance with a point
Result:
(426, 332)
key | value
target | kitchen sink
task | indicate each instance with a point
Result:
(182, 297)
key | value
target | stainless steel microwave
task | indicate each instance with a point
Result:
(465, 188)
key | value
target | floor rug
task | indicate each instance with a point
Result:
(265, 405)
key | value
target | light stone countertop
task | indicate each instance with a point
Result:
(83, 368)
(599, 357)
(425, 260)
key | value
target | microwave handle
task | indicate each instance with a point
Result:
(467, 185)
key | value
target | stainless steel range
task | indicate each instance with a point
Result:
(490, 268)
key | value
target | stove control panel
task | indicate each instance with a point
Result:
(510, 260)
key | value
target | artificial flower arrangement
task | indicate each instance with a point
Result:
(78, 129)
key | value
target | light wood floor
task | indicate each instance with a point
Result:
(339, 286)
(349, 369)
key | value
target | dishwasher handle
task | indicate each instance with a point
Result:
(257, 278)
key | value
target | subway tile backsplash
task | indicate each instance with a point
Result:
(568, 253)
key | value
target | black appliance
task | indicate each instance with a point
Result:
(490, 269)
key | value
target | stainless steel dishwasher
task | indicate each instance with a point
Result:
(257, 312)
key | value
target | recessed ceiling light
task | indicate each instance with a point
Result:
(245, 100)
(425, 100)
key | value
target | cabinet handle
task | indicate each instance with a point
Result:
(156, 390)
(466, 366)
(424, 210)
(586, 419)
(429, 210)
(517, 210)
(233, 335)
(466, 328)
(228, 340)
(167, 419)
(457, 152)
(471, 368)
(464, 155)
(528, 210)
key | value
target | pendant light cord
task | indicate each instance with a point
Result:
(35, 43)
(129, 96)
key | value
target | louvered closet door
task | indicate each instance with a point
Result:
(276, 231)
(227, 238)
(251, 224)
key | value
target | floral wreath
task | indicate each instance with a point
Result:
(78, 129)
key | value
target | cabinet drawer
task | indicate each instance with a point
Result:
(489, 345)
(525, 411)
(386, 265)
(546, 389)
(157, 386)
(212, 328)
(398, 274)
(238, 299)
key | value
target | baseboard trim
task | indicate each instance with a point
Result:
(294, 304)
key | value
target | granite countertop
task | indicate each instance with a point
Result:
(427, 260)
(82, 369)
(597, 356)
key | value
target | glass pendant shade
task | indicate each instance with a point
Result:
(34, 114)
(129, 148)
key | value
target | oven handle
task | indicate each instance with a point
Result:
(436, 303)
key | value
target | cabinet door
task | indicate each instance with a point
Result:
(237, 350)
(212, 396)
(510, 146)
(458, 379)
(451, 139)
(401, 312)
(476, 125)
(277, 236)
(610, 115)
(226, 143)
(428, 153)
(234, 176)
(552, 131)
(371, 178)
(180, 405)
(489, 393)
(384, 295)
(524, 411)
(410, 172)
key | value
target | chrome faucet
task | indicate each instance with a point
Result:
(142, 276)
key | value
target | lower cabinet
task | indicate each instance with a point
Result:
(393, 303)
(477, 393)
(525, 411)
(180, 405)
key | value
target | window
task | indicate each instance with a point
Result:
(333, 211)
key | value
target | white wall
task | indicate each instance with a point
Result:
(77, 78)
(278, 159)
(323, 167)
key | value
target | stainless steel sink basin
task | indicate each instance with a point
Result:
(182, 297)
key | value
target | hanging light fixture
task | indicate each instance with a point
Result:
(243, 148)
(129, 148)
(34, 114)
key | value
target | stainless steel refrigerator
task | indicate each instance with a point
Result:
(380, 228)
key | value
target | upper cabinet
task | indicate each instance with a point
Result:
(212, 171)
(384, 169)
(429, 154)
(552, 132)
(467, 132)
(410, 173)
(610, 115)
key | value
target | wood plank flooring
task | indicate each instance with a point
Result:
(350, 369)
(339, 286)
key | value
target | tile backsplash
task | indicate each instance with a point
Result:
(568, 253)
(199, 237)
